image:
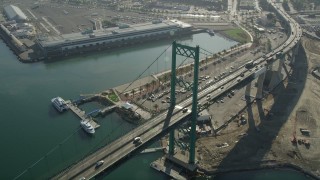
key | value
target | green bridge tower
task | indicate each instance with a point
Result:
(190, 52)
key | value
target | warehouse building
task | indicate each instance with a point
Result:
(91, 40)
(14, 13)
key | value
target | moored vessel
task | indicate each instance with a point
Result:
(86, 125)
(59, 104)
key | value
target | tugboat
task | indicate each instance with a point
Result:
(59, 104)
(87, 127)
(210, 32)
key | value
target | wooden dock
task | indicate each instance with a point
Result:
(81, 114)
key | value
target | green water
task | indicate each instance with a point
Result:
(37, 141)
(32, 129)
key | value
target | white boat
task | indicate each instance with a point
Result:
(87, 127)
(59, 104)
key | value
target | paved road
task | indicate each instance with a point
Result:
(232, 8)
(123, 146)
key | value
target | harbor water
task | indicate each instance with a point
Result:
(37, 141)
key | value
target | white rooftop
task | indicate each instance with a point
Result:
(14, 13)
(73, 37)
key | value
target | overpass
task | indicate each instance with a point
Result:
(124, 147)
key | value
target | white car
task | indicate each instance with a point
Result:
(137, 140)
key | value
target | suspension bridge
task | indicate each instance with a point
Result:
(165, 122)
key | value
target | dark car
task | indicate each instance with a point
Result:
(99, 163)
(137, 141)
(184, 110)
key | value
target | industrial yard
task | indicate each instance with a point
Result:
(43, 24)
(52, 21)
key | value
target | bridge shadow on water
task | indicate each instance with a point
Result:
(250, 151)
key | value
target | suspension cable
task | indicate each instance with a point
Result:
(206, 50)
(145, 70)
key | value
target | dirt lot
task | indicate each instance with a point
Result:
(294, 104)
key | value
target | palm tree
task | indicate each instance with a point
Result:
(160, 79)
(153, 84)
(206, 63)
(147, 86)
(166, 77)
(126, 95)
(156, 106)
(132, 91)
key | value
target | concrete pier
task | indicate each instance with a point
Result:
(81, 114)
(281, 62)
(295, 51)
(175, 166)
(260, 85)
(168, 169)
(248, 90)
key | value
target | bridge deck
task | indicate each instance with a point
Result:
(81, 114)
(122, 147)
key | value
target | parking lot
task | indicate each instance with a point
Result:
(68, 18)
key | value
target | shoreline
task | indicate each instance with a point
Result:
(225, 35)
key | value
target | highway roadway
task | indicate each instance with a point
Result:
(124, 146)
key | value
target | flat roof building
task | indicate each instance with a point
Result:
(111, 37)
(14, 13)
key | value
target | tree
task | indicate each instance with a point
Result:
(166, 77)
(147, 86)
(153, 84)
(109, 23)
(156, 106)
(270, 16)
(126, 95)
(285, 5)
(224, 51)
(269, 48)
